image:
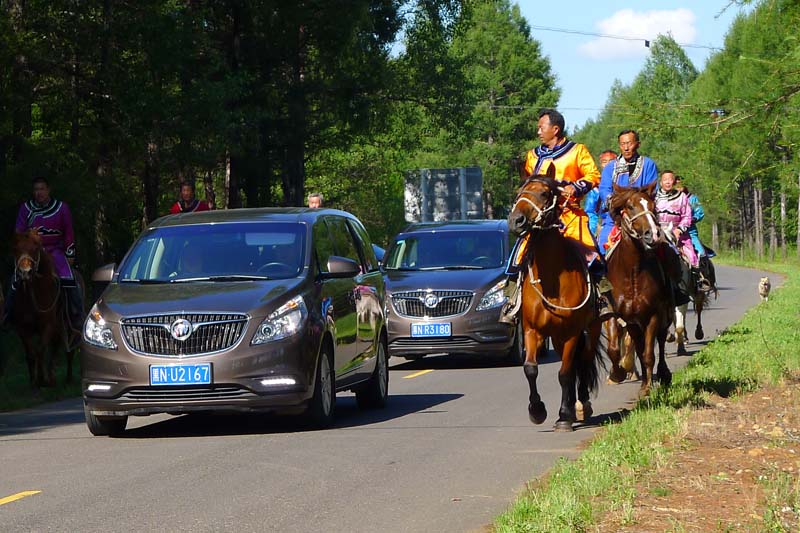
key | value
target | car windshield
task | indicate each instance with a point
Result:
(448, 250)
(216, 252)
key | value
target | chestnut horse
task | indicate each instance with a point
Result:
(640, 267)
(556, 302)
(39, 309)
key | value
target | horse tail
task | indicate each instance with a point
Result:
(590, 364)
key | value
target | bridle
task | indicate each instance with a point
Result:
(21, 275)
(544, 217)
(627, 223)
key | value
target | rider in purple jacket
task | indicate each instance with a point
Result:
(52, 220)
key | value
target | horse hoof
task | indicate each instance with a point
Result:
(537, 413)
(617, 376)
(698, 333)
(682, 350)
(670, 337)
(564, 426)
(644, 393)
(665, 380)
(583, 411)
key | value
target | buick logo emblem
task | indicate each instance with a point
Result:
(430, 300)
(181, 329)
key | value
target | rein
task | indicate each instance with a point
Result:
(539, 223)
(550, 304)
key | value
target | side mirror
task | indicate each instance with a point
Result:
(104, 274)
(342, 267)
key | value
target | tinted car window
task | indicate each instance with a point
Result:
(274, 250)
(343, 241)
(323, 245)
(365, 245)
(430, 250)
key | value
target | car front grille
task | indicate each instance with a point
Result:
(448, 344)
(188, 394)
(212, 332)
(412, 304)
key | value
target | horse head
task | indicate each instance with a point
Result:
(537, 205)
(633, 210)
(28, 253)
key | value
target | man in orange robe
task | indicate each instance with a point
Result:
(577, 174)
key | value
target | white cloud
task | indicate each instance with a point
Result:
(643, 25)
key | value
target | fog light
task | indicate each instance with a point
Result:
(276, 382)
(96, 387)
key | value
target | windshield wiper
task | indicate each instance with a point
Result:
(232, 277)
(143, 281)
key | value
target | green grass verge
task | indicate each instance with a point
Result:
(758, 350)
(15, 390)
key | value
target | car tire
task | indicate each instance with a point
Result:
(374, 393)
(320, 413)
(104, 426)
(516, 355)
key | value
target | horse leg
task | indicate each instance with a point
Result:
(644, 341)
(663, 374)
(536, 409)
(567, 378)
(614, 332)
(30, 359)
(680, 328)
(587, 372)
(699, 302)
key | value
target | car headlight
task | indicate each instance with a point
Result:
(96, 331)
(287, 320)
(494, 297)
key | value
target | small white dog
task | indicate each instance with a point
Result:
(763, 289)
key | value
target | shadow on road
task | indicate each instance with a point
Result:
(461, 362)
(33, 420)
(348, 415)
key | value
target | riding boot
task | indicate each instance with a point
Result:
(605, 308)
(510, 309)
(700, 282)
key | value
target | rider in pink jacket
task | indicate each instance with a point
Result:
(675, 216)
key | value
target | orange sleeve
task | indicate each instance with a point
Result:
(530, 162)
(588, 170)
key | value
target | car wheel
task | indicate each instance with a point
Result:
(111, 426)
(516, 355)
(320, 410)
(375, 392)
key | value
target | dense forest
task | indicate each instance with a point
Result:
(260, 102)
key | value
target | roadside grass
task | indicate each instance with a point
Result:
(15, 390)
(760, 349)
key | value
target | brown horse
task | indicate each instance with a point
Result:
(640, 268)
(39, 309)
(556, 302)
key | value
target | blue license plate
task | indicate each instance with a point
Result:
(181, 374)
(438, 329)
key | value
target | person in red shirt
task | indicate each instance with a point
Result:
(188, 202)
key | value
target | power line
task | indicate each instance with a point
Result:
(618, 37)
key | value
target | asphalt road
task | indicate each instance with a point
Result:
(449, 453)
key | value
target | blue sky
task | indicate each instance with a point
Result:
(586, 66)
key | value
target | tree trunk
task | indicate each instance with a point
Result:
(783, 223)
(773, 234)
(759, 244)
(715, 235)
(102, 167)
(295, 165)
(21, 85)
(152, 179)
(211, 196)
